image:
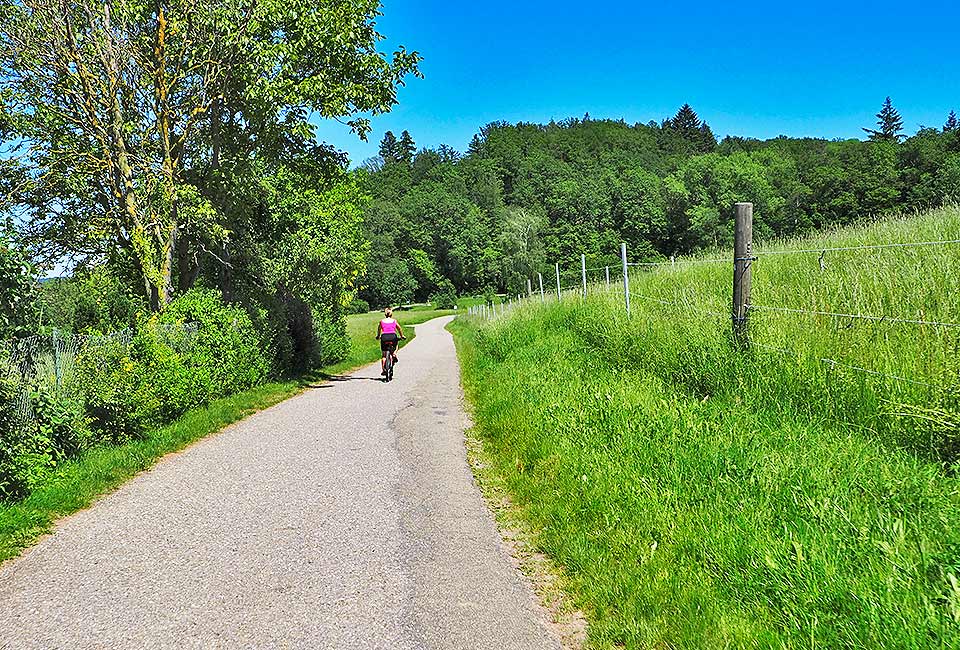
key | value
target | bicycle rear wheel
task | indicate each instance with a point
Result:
(388, 366)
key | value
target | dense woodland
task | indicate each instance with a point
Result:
(527, 195)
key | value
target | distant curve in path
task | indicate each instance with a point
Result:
(345, 517)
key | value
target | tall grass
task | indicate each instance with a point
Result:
(702, 495)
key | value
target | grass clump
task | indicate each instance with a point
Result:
(701, 495)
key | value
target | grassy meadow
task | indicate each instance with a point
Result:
(702, 495)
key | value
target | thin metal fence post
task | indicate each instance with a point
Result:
(626, 276)
(540, 276)
(742, 268)
(583, 273)
(557, 265)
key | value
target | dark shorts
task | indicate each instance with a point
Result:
(388, 342)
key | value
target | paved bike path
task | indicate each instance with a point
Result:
(345, 517)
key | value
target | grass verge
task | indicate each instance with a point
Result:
(697, 494)
(547, 579)
(685, 521)
(100, 470)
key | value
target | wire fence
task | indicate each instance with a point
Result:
(567, 280)
(47, 363)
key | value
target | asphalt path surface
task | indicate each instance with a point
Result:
(345, 517)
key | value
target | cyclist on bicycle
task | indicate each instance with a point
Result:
(390, 333)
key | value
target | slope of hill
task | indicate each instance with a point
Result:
(801, 492)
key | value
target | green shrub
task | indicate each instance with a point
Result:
(358, 306)
(91, 300)
(445, 297)
(31, 450)
(227, 346)
(330, 332)
(105, 375)
(129, 389)
(489, 296)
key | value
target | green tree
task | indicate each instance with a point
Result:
(154, 161)
(389, 148)
(523, 252)
(686, 125)
(951, 123)
(406, 148)
(18, 291)
(889, 122)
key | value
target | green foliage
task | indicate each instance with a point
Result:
(187, 204)
(395, 284)
(445, 297)
(30, 452)
(358, 306)
(889, 122)
(527, 196)
(18, 291)
(128, 389)
(226, 352)
(489, 296)
(91, 300)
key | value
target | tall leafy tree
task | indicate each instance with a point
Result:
(138, 121)
(18, 290)
(889, 124)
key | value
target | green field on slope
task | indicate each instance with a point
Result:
(701, 495)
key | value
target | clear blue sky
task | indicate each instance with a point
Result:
(750, 68)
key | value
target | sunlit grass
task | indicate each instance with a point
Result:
(700, 495)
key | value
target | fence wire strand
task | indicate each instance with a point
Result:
(830, 249)
(877, 319)
(835, 363)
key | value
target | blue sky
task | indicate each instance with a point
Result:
(749, 68)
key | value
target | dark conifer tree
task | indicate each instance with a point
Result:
(406, 148)
(476, 146)
(951, 124)
(890, 123)
(686, 124)
(389, 148)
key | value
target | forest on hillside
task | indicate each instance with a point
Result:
(527, 195)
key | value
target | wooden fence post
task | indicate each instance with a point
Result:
(608, 278)
(529, 288)
(540, 276)
(583, 273)
(742, 268)
(626, 276)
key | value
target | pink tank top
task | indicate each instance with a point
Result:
(388, 326)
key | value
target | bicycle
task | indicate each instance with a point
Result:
(388, 364)
(388, 360)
